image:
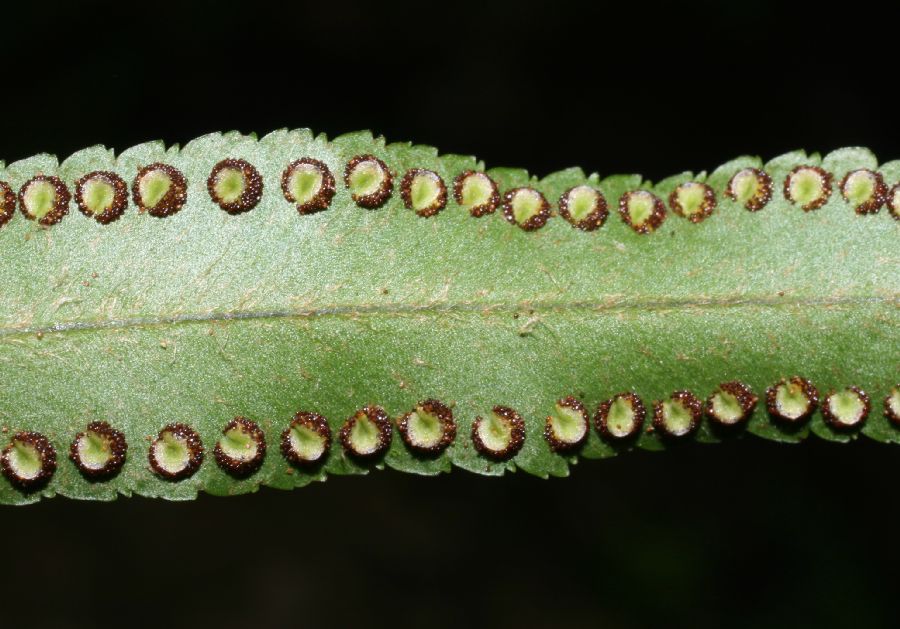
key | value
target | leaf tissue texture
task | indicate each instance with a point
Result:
(202, 316)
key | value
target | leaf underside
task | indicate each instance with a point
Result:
(203, 316)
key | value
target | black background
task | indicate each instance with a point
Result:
(744, 534)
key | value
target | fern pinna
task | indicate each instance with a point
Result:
(244, 312)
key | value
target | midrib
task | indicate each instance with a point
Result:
(436, 308)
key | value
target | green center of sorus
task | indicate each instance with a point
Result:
(640, 207)
(305, 183)
(860, 187)
(620, 419)
(727, 407)
(676, 417)
(691, 196)
(365, 437)
(172, 452)
(25, 460)
(581, 201)
(153, 187)
(366, 178)
(307, 443)
(424, 190)
(894, 201)
(94, 450)
(745, 185)
(806, 186)
(98, 195)
(424, 429)
(525, 204)
(40, 198)
(476, 190)
(791, 401)
(847, 406)
(568, 424)
(237, 443)
(230, 184)
(495, 432)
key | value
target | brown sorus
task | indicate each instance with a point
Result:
(892, 415)
(707, 206)
(119, 200)
(826, 178)
(516, 426)
(879, 192)
(435, 206)
(314, 422)
(806, 388)
(322, 199)
(238, 466)
(444, 416)
(480, 209)
(652, 222)
(835, 421)
(380, 196)
(763, 189)
(893, 201)
(382, 423)
(745, 397)
(253, 186)
(7, 203)
(691, 404)
(534, 222)
(114, 442)
(601, 418)
(173, 199)
(192, 442)
(60, 200)
(45, 452)
(553, 440)
(594, 219)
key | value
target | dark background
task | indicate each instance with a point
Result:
(744, 534)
